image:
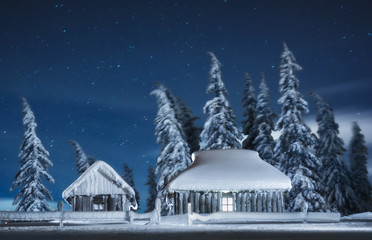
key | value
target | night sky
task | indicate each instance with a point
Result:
(87, 68)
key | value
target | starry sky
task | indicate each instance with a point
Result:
(87, 68)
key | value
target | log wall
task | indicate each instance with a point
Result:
(110, 203)
(209, 202)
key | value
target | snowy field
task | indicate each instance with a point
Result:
(176, 228)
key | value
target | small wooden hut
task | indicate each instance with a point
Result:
(100, 188)
(229, 180)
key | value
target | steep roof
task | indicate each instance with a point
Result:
(100, 178)
(229, 170)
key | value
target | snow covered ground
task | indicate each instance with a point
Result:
(175, 227)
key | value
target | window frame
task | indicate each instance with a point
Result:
(227, 203)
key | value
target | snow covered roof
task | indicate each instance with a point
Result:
(100, 178)
(229, 170)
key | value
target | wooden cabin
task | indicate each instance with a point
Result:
(229, 180)
(100, 188)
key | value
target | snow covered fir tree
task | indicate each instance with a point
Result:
(249, 104)
(264, 122)
(185, 117)
(293, 150)
(175, 152)
(128, 178)
(358, 164)
(83, 161)
(187, 120)
(34, 159)
(151, 183)
(337, 185)
(220, 130)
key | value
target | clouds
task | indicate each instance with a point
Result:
(344, 119)
(346, 87)
(6, 204)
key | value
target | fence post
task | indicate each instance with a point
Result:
(189, 214)
(61, 219)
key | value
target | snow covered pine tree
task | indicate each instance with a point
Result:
(128, 178)
(83, 161)
(220, 130)
(249, 104)
(175, 153)
(336, 180)
(185, 118)
(264, 122)
(33, 195)
(151, 182)
(358, 153)
(293, 148)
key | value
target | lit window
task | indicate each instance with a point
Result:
(227, 204)
(98, 207)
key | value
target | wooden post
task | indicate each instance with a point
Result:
(78, 203)
(123, 203)
(61, 219)
(175, 203)
(105, 203)
(219, 204)
(73, 204)
(90, 203)
(254, 202)
(207, 202)
(264, 202)
(259, 202)
(197, 202)
(192, 200)
(180, 205)
(234, 202)
(281, 202)
(275, 202)
(244, 202)
(239, 202)
(186, 200)
(189, 214)
(270, 201)
(202, 202)
(249, 202)
(214, 202)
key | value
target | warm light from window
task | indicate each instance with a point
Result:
(227, 204)
(98, 207)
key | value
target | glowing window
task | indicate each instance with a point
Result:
(98, 207)
(227, 204)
